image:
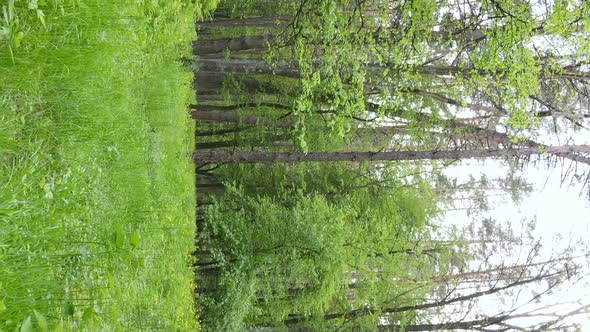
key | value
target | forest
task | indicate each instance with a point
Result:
(293, 165)
(324, 129)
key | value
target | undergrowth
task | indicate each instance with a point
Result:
(97, 204)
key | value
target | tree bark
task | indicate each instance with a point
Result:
(207, 108)
(270, 157)
(211, 188)
(232, 143)
(221, 131)
(291, 69)
(216, 145)
(261, 21)
(246, 67)
(209, 84)
(234, 44)
(237, 118)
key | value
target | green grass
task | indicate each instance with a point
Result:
(97, 196)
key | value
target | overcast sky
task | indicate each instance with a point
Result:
(562, 212)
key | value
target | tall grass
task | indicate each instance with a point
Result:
(96, 183)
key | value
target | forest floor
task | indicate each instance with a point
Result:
(97, 199)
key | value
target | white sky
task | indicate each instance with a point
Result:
(559, 209)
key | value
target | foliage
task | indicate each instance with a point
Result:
(296, 250)
(265, 251)
(97, 198)
(332, 76)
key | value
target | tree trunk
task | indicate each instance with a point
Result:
(473, 132)
(221, 131)
(269, 157)
(247, 66)
(237, 118)
(232, 143)
(216, 145)
(291, 69)
(469, 72)
(429, 305)
(225, 108)
(255, 44)
(211, 188)
(459, 325)
(262, 22)
(210, 84)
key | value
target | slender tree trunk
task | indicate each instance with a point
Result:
(221, 131)
(255, 44)
(247, 66)
(269, 157)
(459, 325)
(226, 108)
(291, 69)
(237, 118)
(261, 21)
(211, 188)
(209, 86)
(209, 97)
(446, 100)
(471, 296)
(472, 132)
(469, 71)
(232, 143)
(216, 145)
(423, 306)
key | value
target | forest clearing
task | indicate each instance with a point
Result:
(294, 165)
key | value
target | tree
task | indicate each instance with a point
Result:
(305, 81)
(501, 322)
(264, 156)
(294, 253)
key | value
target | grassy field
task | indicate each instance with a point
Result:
(97, 196)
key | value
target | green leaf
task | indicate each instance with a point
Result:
(111, 281)
(33, 4)
(87, 315)
(18, 38)
(41, 17)
(27, 325)
(58, 328)
(135, 239)
(69, 309)
(41, 321)
(2, 306)
(10, 10)
(119, 235)
(5, 15)
(4, 33)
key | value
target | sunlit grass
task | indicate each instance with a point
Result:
(96, 185)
